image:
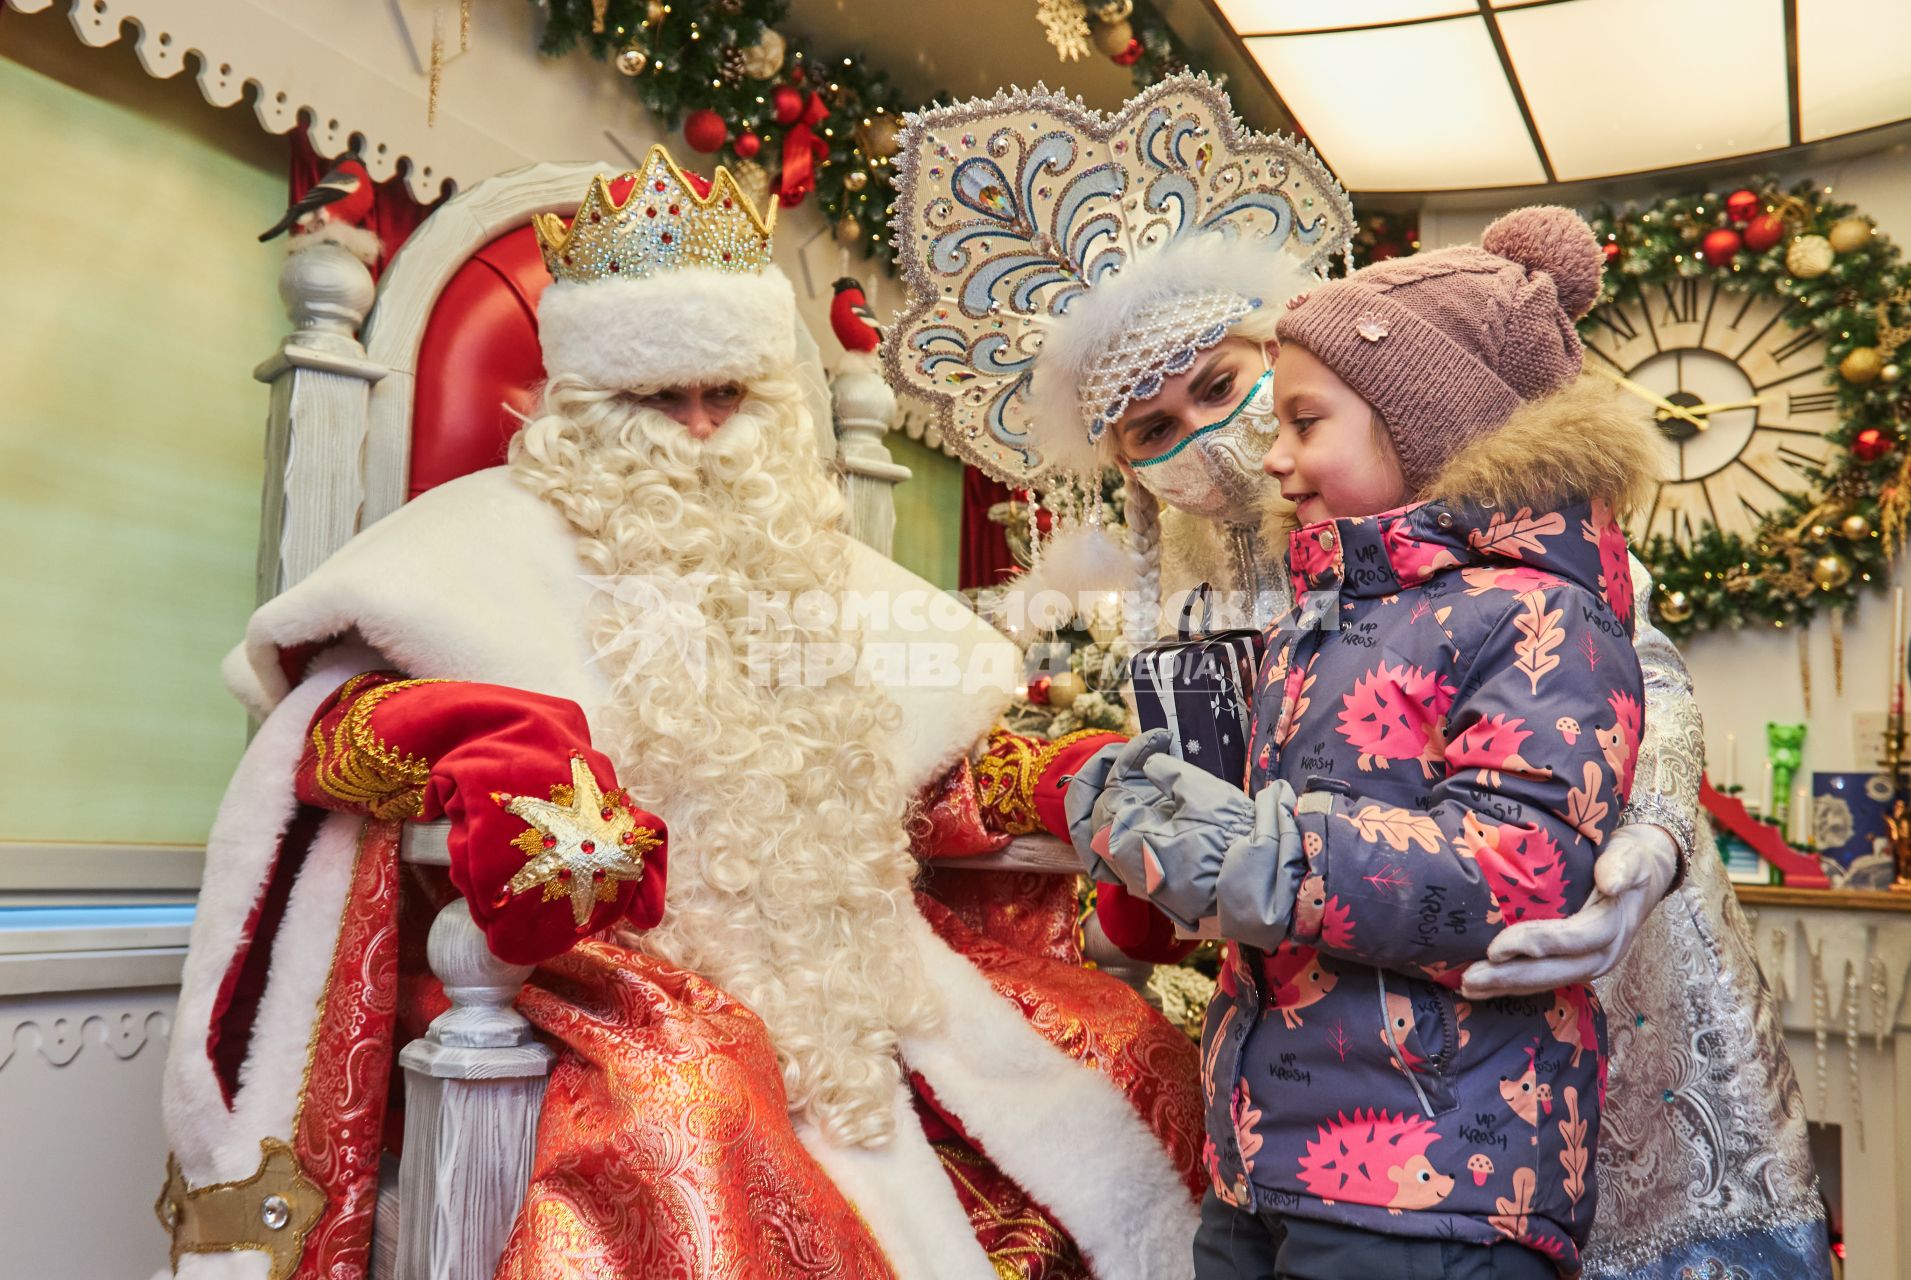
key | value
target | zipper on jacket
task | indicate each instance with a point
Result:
(1386, 1029)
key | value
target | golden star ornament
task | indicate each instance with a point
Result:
(581, 842)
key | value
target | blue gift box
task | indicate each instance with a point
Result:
(1848, 812)
(1199, 687)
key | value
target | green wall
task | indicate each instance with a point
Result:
(928, 511)
(134, 302)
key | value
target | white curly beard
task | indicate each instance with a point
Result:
(789, 868)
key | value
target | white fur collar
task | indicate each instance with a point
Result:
(478, 579)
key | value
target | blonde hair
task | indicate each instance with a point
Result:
(790, 873)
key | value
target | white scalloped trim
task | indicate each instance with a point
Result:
(241, 43)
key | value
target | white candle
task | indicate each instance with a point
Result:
(1731, 762)
(1801, 820)
(1768, 812)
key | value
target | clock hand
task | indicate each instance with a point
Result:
(1753, 403)
(1666, 407)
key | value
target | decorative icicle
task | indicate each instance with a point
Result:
(1804, 665)
(1851, 1048)
(1838, 651)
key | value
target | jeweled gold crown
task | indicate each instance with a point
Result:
(662, 225)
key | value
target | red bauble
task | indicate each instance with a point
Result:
(705, 130)
(1612, 251)
(1742, 205)
(1130, 56)
(1720, 245)
(1871, 444)
(1038, 690)
(786, 104)
(1764, 231)
(748, 144)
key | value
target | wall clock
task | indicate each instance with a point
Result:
(1743, 396)
(1762, 332)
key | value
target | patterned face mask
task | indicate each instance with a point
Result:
(1216, 471)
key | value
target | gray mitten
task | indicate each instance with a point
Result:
(1170, 833)
(1093, 792)
(1262, 872)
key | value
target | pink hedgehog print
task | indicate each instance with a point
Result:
(1296, 979)
(1571, 1020)
(1307, 557)
(1375, 1157)
(1414, 560)
(1491, 744)
(1399, 1029)
(1621, 742)
(1615, 566)
(1521, 1092)
(1524, 869)
(1397, 713)
(1317, 914)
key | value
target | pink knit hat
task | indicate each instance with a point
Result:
(1446, 345)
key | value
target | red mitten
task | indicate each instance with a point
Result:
(545, 848)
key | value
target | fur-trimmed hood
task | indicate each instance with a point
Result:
(1584, 443)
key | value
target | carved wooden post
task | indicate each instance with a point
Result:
(315, 430)
(474, 1086)
(865, 409)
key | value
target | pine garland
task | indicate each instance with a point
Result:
(694, 55)
(1854, 519)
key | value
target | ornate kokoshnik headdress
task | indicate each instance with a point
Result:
(1061, 263)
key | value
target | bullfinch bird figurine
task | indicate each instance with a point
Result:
(341, 198)
(851, 318)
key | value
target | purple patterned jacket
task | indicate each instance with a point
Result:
(1457, 699)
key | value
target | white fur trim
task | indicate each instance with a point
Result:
(1202, 262)
(693, 327)
(479, 579)
(212, 1143)
(1060, 1129)
(906, 1199)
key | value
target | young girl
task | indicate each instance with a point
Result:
(1446, 729)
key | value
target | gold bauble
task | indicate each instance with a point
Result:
(1855, 527)
(654, 12)
(1689, 231)
(631, 60)
(1848, 234)
(855, 180)
(1861, 366)
(1113, 37)
(1820, 532)
(1064, 687)
(879, 137)
(1830, 571)
(1808, 257)
(849, 231)
(1675, 606)
(762, 60)
(1891, 372)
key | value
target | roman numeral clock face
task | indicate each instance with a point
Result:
(1745, 399)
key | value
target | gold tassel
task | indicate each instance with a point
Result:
(464, 26)
(437, 70)
(1838, 650)
(1804, 665)
(597, 15)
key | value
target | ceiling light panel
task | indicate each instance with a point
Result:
(1267, 17)
(1704, 90)
(1409, 108)
(1854, 65)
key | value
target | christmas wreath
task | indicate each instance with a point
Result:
(1846, 282)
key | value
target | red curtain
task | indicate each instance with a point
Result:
(985, 544)
(394, 216)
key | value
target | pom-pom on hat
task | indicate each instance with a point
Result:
(1446, 345)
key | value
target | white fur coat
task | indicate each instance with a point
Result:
(479, 580)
